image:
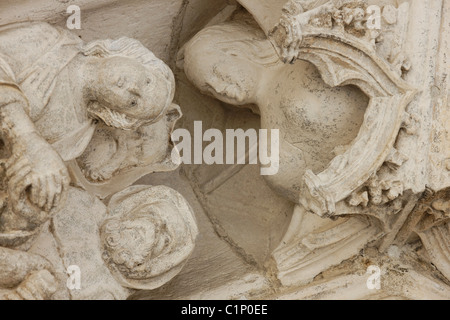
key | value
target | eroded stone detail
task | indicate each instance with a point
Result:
(361, 102)
(368, 176)
(80, 120)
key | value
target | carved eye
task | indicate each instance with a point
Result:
(133, 103)
(149, 81)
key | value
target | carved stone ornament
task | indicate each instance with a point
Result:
(81, 122)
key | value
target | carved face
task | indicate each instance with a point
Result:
(128, 94)
(222, 69)
(133, 241)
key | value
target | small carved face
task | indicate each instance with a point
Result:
(129, 92)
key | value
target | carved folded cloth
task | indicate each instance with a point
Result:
(149, 236)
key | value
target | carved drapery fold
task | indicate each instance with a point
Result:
(345, 54)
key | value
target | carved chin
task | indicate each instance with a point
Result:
(113, 118)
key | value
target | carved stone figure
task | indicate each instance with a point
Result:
(359, 206)
(73, 117)
(342, 153)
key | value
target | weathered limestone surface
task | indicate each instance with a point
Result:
(378, 172)
(88, 177)
(81, 122)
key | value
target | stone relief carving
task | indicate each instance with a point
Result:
(358, 89)
(266, 60)
(80, 122)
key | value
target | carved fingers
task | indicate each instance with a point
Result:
(19, 176)
(13, 167)
(16, 266)
(98, 175)
(45, 188)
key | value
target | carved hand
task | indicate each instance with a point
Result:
(36, 167)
